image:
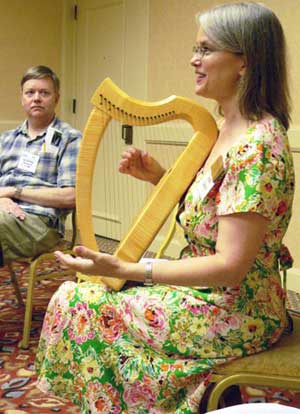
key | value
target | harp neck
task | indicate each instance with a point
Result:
(127, 110)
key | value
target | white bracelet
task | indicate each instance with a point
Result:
(148, 281)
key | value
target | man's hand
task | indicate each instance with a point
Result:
(8, 205)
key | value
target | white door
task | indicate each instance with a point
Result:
(111, 42)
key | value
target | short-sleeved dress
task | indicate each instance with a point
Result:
(151, 349)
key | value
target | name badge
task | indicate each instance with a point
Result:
(206, 184)
(209, 177)
(52, 140)
(28, 162)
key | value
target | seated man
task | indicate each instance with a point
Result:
(37, 171)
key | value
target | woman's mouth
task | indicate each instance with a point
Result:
(200, 77)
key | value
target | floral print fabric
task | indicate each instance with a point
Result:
(151, 349)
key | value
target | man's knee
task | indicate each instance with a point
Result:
(6, 221)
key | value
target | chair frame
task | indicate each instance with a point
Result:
(226, 381)
(33, 278)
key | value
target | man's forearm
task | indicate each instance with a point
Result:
(48, 197)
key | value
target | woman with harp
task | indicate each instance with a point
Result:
(150, 349)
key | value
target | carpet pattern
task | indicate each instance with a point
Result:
(18, 394)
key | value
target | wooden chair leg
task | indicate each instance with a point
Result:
(14, 282)
(24, 344)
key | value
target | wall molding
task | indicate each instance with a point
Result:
(9, 124)
(293, 279)
(102, 215)
(294, 138)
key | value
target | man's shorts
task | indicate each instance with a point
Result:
(25, 238)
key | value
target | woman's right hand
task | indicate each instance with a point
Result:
(141, 165)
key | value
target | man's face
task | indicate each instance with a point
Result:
(39, 99)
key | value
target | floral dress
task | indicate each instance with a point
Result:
(151, 349)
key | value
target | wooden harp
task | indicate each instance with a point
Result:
(110, 102)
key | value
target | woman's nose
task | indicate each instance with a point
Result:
(195, 60)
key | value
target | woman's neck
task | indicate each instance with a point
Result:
(234, 122)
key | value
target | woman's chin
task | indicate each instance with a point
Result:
(200, 90)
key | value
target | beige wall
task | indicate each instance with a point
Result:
(30, 34)
(172, 35)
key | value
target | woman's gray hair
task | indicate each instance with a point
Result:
(253, 30)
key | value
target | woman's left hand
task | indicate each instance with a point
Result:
(89, 262)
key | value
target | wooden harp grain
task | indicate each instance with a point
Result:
(110, 102)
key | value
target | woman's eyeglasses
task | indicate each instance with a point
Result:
(202, 51)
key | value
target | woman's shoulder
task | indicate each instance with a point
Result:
(265, 141)
(268, 135)
(269, 128)
(274, 136)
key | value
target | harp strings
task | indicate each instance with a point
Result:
(119, 206)
(167, 142)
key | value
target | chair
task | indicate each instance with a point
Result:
(278, 367)
(34, 277)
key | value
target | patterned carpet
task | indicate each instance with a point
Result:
(18, 394)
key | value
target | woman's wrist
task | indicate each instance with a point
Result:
(155, 180)
(133, 271)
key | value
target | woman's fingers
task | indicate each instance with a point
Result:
(84, 252)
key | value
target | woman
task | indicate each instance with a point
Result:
(150, 349)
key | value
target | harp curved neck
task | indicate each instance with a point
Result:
(110, 99)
